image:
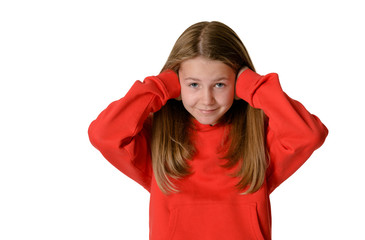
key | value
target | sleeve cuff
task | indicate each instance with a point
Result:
(246, 85)
(171, 81)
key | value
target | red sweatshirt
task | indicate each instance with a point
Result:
(208, 205)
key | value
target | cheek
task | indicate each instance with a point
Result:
(227, 98)
(187, 97)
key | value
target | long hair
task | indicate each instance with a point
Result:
(170, 143)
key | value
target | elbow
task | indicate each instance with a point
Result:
(314, 138)
(319, 133)
(307, 141)
(320, 136)
(106, 139)
(94, 135)
(98, 137)
(314, 134)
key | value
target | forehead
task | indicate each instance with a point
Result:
(203, 68)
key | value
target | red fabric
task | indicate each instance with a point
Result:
(208, 205)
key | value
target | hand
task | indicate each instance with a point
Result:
(179, 97)
(239, 73)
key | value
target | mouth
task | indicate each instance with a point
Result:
(207, 111)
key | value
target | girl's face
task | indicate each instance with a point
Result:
(207, 88)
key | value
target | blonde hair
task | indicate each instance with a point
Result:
(170, 143)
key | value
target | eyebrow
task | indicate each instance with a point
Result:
(198, 80)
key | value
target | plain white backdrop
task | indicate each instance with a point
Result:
(63, 62)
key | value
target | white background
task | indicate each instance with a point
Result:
(63, 62)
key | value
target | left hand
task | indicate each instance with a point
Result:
(239, 73)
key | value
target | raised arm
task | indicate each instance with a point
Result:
(293, 133)
(122, 131)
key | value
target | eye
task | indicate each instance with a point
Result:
(193, 85)
(220, 85)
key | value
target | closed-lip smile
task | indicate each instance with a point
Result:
(207, 110)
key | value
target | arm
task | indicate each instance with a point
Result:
(121, 132)
(292, 133)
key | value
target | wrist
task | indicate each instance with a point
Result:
(171, 82)
(245, 84)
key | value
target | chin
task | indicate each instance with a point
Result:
(207, 121)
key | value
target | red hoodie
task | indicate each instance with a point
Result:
(208, 205)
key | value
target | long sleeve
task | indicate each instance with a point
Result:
(293, 133)
(122, 131)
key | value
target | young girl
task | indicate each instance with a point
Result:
(209, 138)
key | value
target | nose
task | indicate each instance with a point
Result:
(208, 97)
